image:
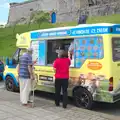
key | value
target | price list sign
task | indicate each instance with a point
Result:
(35, 47)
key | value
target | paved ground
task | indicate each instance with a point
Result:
(10, 109)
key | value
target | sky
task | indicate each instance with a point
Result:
(4, 9)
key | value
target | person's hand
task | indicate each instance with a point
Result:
(32, 77)
(35, 61)
(69, 55)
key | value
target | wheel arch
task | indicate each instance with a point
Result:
(13, 77)
(75, 88)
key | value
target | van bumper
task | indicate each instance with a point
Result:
(107, 97)
(116, 97)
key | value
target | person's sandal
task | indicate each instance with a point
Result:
(25, 105)
(30, 105)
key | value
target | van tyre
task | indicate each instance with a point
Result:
(83, 98)
(10, 86)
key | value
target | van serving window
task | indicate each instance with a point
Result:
(53, 46)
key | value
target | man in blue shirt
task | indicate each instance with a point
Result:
(25, 76)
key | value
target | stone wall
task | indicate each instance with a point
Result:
(23, 10)
(66, 10)
(100, 8)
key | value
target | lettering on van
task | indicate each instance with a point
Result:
(45, 78)
(89, 31)
(117, 29)
(54, 33)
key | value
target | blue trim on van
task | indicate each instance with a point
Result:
(12, 66)
(77, 31)
(14, 79)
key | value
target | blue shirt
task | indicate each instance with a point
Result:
(25, 61)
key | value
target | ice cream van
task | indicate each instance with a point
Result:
(95, 61)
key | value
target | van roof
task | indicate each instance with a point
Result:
(78, 26)
(76, 31)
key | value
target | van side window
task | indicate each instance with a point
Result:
(116, 49)
(16, 57)
(88, 48)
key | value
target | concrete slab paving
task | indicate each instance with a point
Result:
(10, 109)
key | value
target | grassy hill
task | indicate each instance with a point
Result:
(8, 40)
(8, 35)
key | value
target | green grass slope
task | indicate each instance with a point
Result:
(8, 40)
(8, 35)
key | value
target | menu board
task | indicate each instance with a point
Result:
(116, 49)
(42, 53)
(35, 47)
(39, 52)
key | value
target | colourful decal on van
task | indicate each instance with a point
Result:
(97, 85)
(88, 48)
(94, 65)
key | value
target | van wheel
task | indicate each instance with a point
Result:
(83, 98)
(9, 83)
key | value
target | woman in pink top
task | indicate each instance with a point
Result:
(61, 68)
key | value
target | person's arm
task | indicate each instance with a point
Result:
(30, 67)
(54, 66)
(18, 67)
(34, 62)
(69, 60)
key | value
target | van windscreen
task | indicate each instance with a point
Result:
(116, 49)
